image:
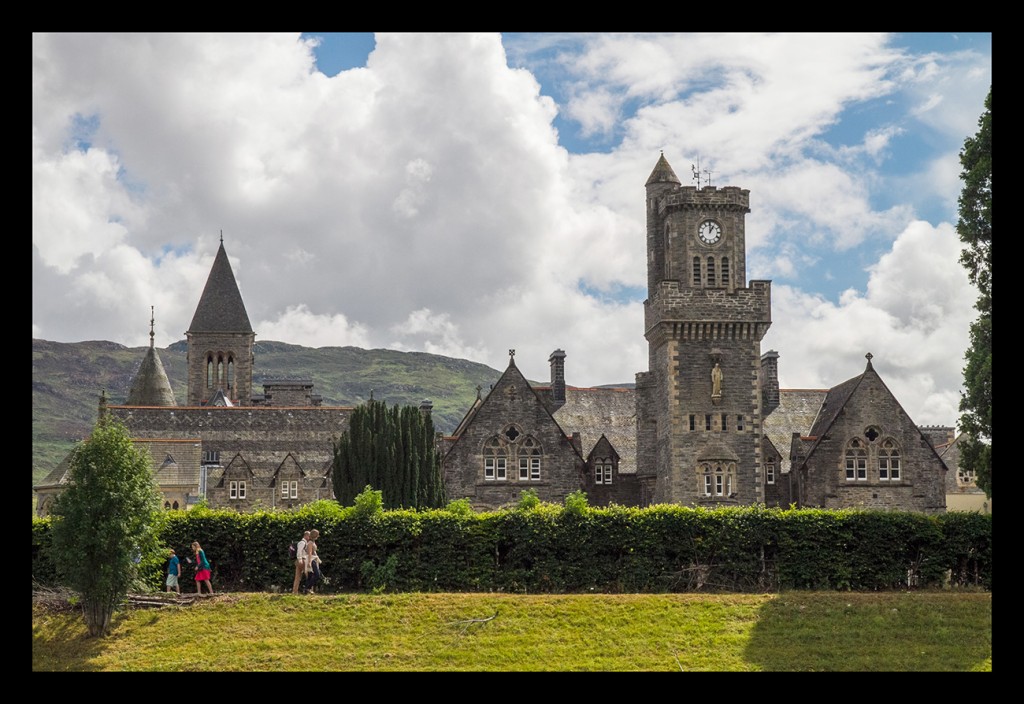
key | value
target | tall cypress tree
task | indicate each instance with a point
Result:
(392, 450)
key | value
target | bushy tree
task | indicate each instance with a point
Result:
(391, 450)
(975, 229)
(105, 522)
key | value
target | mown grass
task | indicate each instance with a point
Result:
(789, 632)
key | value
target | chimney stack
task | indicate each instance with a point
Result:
(769, 382)
(557, 360)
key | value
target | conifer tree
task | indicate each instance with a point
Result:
(391, 450)
(975, 230)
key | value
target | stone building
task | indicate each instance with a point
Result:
(237, 448)
(705, 425)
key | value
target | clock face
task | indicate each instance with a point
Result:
(709, 232)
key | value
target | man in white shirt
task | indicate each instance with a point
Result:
(300, 562)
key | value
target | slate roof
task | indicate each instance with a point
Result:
(151, 387)
(796, 413)
(220, 307)
(593, 412)
(662, 173)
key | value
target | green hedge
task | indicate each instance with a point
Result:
(571, 549)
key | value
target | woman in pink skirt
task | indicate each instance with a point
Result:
(202, 569)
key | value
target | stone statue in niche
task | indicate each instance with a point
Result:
(716, 381)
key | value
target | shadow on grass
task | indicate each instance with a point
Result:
(850, 632)
(63, 644)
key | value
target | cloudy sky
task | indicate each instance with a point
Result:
(465, 194)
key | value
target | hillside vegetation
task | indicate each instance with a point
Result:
(67, 379)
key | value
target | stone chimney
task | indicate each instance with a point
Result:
(769, 382)
(426, 406)
(557, 360)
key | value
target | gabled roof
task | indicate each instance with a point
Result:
(595, 412)
(796, 413)
(511, 378)
(220, 400)
(59, 474)
(220, 307)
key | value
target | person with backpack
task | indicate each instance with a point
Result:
(203, 572)
(312, 562)
(300, 562)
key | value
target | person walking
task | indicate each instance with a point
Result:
(173, 573)
(312, 562)
(300, 562)
(203, 573)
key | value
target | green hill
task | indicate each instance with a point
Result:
(67, 379)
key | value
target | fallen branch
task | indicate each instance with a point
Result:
(470, 621)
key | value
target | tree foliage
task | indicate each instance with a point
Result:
(106, 522)
(390, 450)
(975, 230)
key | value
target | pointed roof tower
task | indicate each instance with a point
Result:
(662, 173)
(150, 387)
(220, 307)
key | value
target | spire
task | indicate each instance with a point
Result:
(220, 307)
(662, 173)
(150, 387)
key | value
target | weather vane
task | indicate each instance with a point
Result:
(695, 168)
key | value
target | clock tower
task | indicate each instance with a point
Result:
(699, 405)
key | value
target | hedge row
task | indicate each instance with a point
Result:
(571, 549)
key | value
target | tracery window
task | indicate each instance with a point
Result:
(889, 462)
(717, 478)
(856, 461)
(495, 460)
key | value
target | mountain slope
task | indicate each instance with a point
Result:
(67, 379)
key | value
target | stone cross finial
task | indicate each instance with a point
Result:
(511, 353)
(151, 327)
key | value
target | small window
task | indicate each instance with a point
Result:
(608, 473)
(241, 490)
(725, 422)
(233, 490)
(693, 422)
(769, 472)
(285, 486)
(295, 489)
(739, 422)
(856, 461)
(535, 468)
(696, 271)
(888, 462)
(707, 421)
(524, 467)
(711, 271)
(501, 469)
(725, 271)
(489, 468)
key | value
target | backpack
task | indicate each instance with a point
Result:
(292, 550)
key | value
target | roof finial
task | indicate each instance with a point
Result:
(512, 353)
(478, 390)
(868, 357)
(222, 236)
(151, 327)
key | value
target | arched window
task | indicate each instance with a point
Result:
(209, 371)
(696, 271)
(495, 460)
(220, 370)
(856, 461)
(231, 371)
(529, 455)
(711, 271)
(167, 505)
(175, 506)
(725, 271)
(889, 462)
